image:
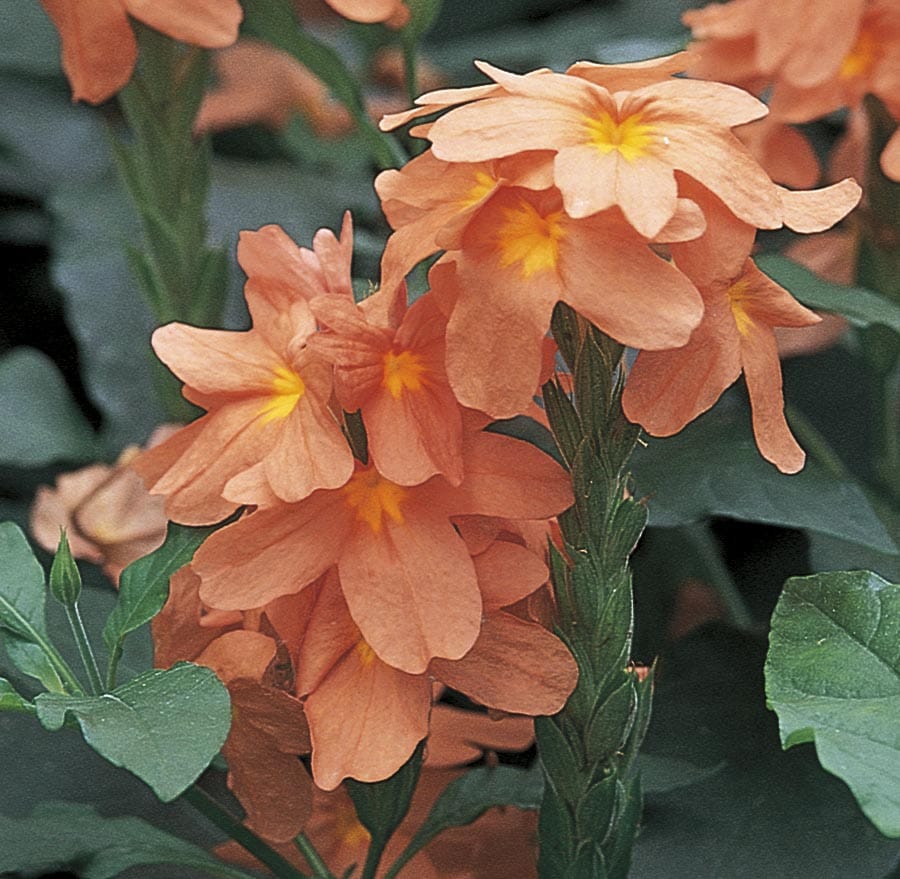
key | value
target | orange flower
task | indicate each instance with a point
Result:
(429, 202)
(405, 571)
(99, 50)
(756, 38)
(395, 376)
(269, 432)
(519, 256)
(109, 516)
(393, 13)
(667, 389)
(268, 727)
(259, 83)
(366, 716)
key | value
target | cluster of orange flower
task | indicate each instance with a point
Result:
(562, 187)
(378, 578)
(812, 61)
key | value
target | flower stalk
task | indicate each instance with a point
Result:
(592, 798)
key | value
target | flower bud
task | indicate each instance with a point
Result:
(65, 580)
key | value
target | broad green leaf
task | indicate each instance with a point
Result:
(757, 811)
(164, 726)
(833, 678)
(144, 584)
(712, 468)
(10, 700)
(470, 796)
(860, 306)
(41, 422)
(70, 835)
(22, 596)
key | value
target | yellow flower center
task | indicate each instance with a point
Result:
(286, 389)
(738, 298)
(365, 653)
(372, 497)
(528, 239)
(861, 58)
(484, 183)
(402, 372)
(348, 829)
(631, 137)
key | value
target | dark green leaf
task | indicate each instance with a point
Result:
(22, 596)
(763, 812)
(41, 422)
(557, 756)
(860, 306)
(382, 805)
(164, 726)
(10, 700)
(60, 835)
(712, 468)
(611, 723)
(833, 677)
(467, 798)
(144, 584)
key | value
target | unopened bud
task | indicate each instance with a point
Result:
(65, 581)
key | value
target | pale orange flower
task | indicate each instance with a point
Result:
(366, 716)
(258, 83)
(519, 256)
(99, 49)
(268, 431)
(405, 571)
(109, 516)
(667, 389)
(395, 376)
(393, 13)
(623, 148)
(784, 153)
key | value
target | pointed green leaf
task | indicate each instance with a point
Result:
(144, 584)
(712, 468)
(41, 422)
(10, 700)
(833, 677)
(59, 835)
(164, 726)
(860, 306)
(22, 596)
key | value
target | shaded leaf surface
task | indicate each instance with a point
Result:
(59, 835)
(758, 811)
(833, 677)
(712, 468)
(41, 422)
(164, 726)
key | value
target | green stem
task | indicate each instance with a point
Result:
(275, 22)
(112, 666)
(409, 70)
(313, 858)
(88, 660)
(373, 858)
(815, 443)
(226, 822)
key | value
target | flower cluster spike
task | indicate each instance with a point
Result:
(587, 749)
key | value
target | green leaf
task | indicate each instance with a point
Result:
(470, 796)
(164, 726)
(712, 468)
(10, 700)
(22, 597)
(58, 835)
(41, 422)
(759, 811)
(860, 306)
(382, 805)
(833, 677)
(144, 584)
